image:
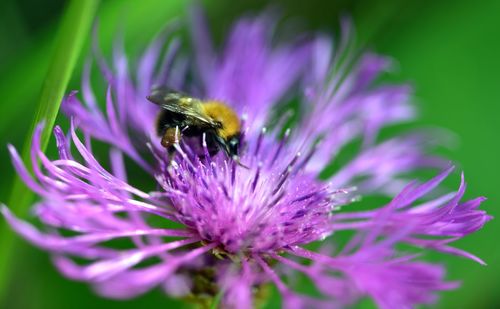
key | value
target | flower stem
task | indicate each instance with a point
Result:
(216, 301)
(73, 31)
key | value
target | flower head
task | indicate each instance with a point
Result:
(212, 226)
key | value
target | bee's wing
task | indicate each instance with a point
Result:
(179, 103)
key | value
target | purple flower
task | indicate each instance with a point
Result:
(207, 226)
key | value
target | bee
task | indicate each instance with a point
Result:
(184, 116)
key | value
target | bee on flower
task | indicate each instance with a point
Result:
(227, 224)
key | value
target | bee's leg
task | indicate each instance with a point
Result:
(169, 138)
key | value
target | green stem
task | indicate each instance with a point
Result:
(73, 31)
(216, 301)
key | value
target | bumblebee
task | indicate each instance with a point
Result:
(184, 116)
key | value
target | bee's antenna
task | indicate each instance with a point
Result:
(237, 160)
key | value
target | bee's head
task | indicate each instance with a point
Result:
(231, 145)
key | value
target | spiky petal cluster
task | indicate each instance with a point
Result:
(264, 208)
(240, 228)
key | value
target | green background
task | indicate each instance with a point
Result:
(447, 49)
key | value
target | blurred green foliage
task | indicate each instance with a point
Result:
(447, 49)
(72, 32)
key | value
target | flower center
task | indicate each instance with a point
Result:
(262, 208)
